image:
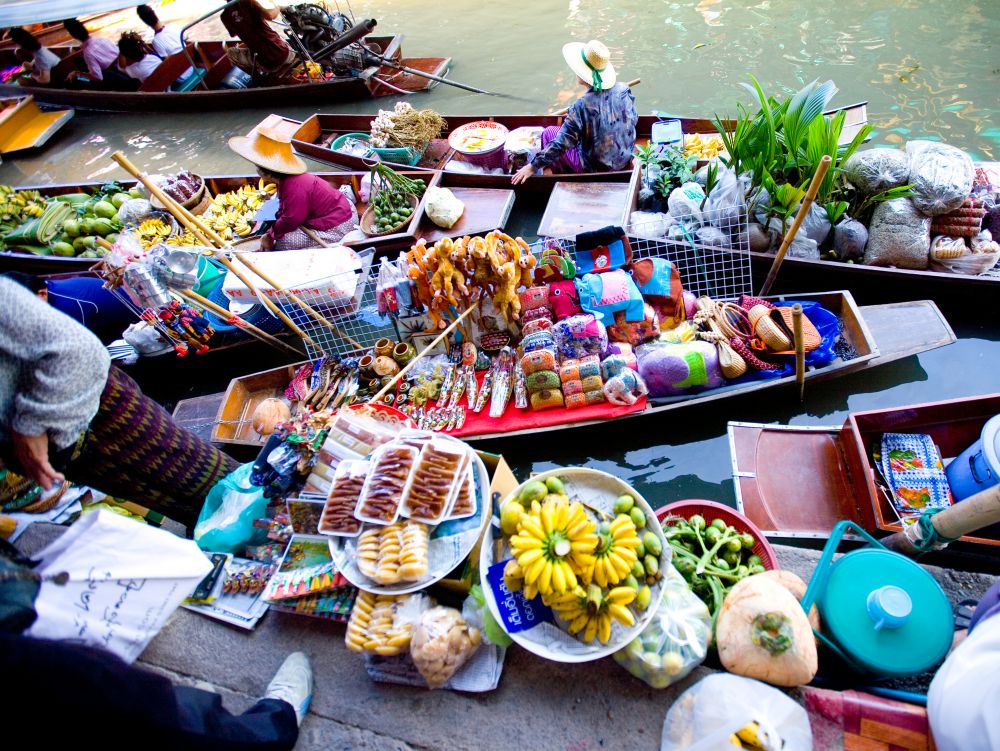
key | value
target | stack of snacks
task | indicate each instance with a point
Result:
(338, 513)
(391, 465)
(538, 360)
(381, 623)
(393, 554)
(581, 381)
(435, 481)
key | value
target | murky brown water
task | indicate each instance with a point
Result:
(927, 69)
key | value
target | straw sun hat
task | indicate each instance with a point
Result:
(591, 62)
(268, 150)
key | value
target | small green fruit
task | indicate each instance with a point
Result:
(652, 544)
(651, 564)
(644, 597)
(532, 491)
(624, 504)
(555, 485)
(638, 518)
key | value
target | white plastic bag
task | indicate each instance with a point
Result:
(675, 642)
(725, 206)
(875, 170)
(685, 203)
(651, 224)
(442, 642)
(442, 207)
(704, 716)
(941, 176)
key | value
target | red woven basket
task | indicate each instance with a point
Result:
(712, 510)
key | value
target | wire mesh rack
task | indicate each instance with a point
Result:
(710, 250)
(347, 301)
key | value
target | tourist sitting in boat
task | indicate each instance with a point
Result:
(311, 212)
(101, 56)
(166, 40)
(40, 60)
(263, 54)
(137, 60)
(598, 134)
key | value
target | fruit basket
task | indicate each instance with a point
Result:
(580, 532)
(368, 221)
(712, 510)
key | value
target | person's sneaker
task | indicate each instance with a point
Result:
(293, 683)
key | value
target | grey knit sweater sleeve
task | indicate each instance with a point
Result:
(52, 369)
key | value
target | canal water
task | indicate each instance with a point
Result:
(927, 70)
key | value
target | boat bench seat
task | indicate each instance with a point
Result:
(172, 68)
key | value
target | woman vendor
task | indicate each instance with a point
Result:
(598, 134)
(311, 212)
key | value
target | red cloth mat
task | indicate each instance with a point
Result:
(527, 419)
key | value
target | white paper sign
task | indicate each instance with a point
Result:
(125, 579)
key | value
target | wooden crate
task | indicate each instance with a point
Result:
(240, 401)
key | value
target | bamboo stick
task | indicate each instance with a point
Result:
(817, 179)
(421, 354)
(800, 351)
(564, 110)
(975, 512)
(226, 315)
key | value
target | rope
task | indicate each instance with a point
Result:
(923, 536)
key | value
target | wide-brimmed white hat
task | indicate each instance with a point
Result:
(591, 62)
(269, 150)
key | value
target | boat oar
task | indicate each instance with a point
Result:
(391, 384)
(440, 79)
(208, 238)
(564, 110)
(229, 317)
(800, 351)
(807, 202)
(933, 531)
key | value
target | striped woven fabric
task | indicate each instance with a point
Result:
(133, 450)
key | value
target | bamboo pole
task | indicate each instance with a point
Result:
(207, 237)
(975, 512)
(564, 110)
(807, 202)
(421, 354)
(226, 315)
(800, 351)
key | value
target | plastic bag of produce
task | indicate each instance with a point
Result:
(941, 176)
(685, 203)
(133, 210)
(718, 706)
(442, 642)
(875, 170)
(849, 239)
(801, 246)
(725, 206)
(675, 641)
(650, 224)
(899, 235)
(816, 225)
(442, 207)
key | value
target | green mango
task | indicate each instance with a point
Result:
(63, 249)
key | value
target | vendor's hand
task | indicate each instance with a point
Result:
(32, 452)
(522, 174)
(267, 243)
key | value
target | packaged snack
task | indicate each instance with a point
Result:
(465, 499)
(383, 623)
(390, 470)
(442, 642)
(547, 399)
(338, 512)
(542, 380)
(437, 472)
(543, 359)
(413, 556)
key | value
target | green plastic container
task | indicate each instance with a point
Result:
(339, 140)
(882, 613)
(408, 155)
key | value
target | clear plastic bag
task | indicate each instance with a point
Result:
(705, 716)
(685, 203)
(941, 176)
(725, 206)
(875, 170)
(675, 642)
(899, 235)
(442, 642)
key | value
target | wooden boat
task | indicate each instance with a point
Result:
(314, 136)
(772, 464)
(24, 126)
(212, 69)
(874, 332)
(13, 260)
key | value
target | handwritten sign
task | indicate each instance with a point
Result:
(125, 579)
(518, 614)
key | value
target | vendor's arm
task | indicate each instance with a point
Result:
(64, 368)
(292, 210)
(569, 136)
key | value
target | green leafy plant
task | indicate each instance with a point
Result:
(711, 180)
(676, 168)
(835, 210)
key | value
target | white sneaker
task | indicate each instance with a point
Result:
(293, 683)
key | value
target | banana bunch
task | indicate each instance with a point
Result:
(152, 231)
(593, 610)
(185, 239)
(232, 214)
(615, 555)
(703, 146)
(17, 206)
(554, 543)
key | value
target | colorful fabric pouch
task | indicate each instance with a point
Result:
(534, 297)
(659, 282)
(576, 401)
(911, 464)
(635, 333)
(575, 370)
(605, 294)
(539, 324)
(538, 340)
(602, 250)
(542, 380)
(536, 314)
(572, 387)
(543, 359)
(578, 336)
(547, 399)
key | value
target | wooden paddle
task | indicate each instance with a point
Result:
(807, 202)
(564, 110)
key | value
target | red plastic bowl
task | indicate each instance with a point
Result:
(712, 510)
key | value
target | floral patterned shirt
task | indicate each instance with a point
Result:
(602, 125)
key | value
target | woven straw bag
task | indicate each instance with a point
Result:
(711, 316)
(767, 329)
